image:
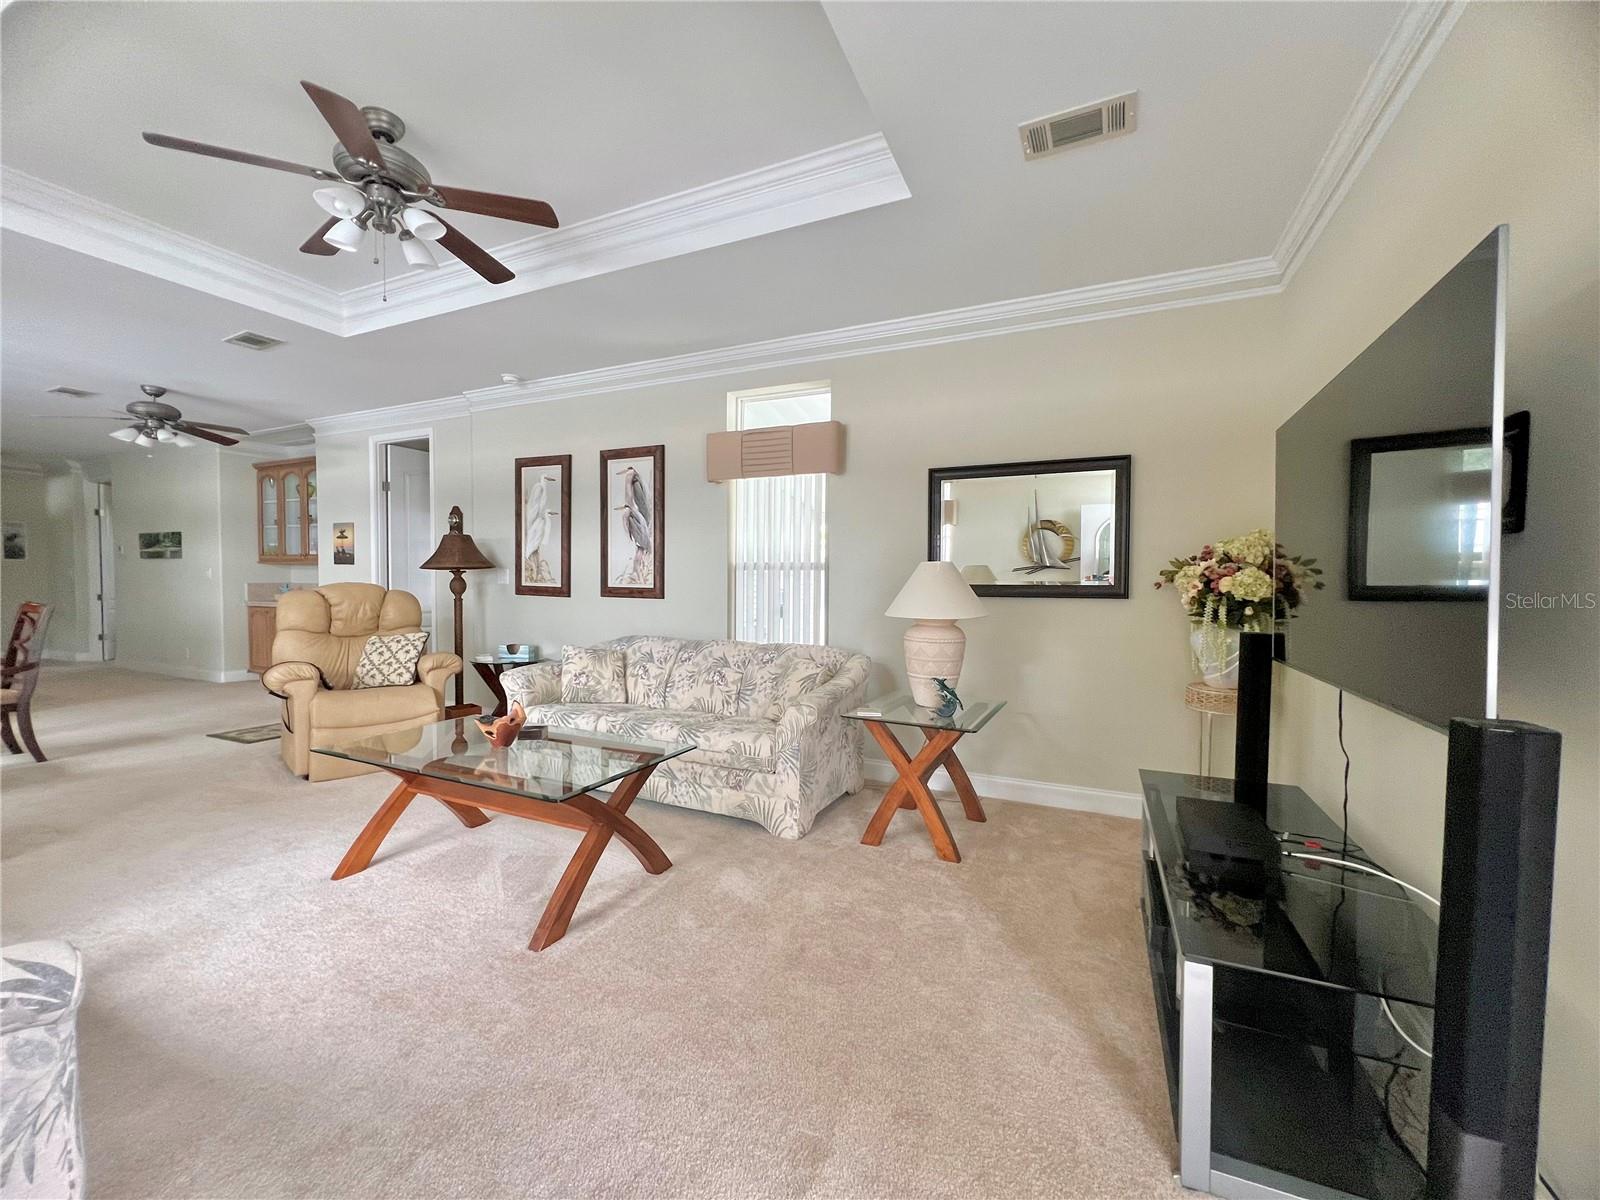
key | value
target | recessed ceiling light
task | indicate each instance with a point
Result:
(62, 389)
(507, 377)
(251, 340)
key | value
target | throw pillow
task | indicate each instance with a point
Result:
(390, 660)
(593, 675)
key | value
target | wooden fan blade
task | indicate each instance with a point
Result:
(195, 431)
(490, 204)
(254, 160)
(348, 125)
(315, 245)
(474, 255)
(218, 428)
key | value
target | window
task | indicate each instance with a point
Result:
(779, 529)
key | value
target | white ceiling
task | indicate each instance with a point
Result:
(595, 107)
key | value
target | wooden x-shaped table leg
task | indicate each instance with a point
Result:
(910, 790)
(599, 820)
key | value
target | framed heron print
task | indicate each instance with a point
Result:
(544, 525)
(632, 522)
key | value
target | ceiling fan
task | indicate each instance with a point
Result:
(154, 421)
(377, 187)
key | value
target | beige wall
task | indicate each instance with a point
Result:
(1461, 158)
(56, 504)
(186, 616)
(1095, 686)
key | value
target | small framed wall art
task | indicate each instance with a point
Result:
(544, 525)
(633, 522)
(161, 545)
(344, 543)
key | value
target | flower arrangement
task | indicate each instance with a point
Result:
(1248, 583)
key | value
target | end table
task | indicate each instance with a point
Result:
(940, 735)
(491, 666)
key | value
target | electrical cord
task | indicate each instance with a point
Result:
(1388, 1012)
(1344, 835)
(1351, 865)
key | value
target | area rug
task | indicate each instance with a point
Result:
(250, 734)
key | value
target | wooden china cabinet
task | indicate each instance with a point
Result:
(286, 511)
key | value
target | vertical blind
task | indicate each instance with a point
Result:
(780, 534)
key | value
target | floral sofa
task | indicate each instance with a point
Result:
(41, 1147)
(770, 743)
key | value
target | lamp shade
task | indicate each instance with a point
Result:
(418, 254)
(936, 592)
(423, 223)
(457, 551)
(346, 235)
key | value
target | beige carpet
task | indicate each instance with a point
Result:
(766, 1019)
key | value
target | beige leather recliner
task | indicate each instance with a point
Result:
(321, 633)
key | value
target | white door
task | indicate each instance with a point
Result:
(410, 522)
(108, 573)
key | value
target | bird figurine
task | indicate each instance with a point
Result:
(949, 702)
(503, 731)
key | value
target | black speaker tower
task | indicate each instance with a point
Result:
(1494, 950)
(1253, 722)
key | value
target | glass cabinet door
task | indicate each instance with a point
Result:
(271, 545)
(311, 513)
(293, 517)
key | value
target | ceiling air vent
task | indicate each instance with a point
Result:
(62, 389)
(253, 341)
(1091, 123)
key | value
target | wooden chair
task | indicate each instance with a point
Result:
(19, 675)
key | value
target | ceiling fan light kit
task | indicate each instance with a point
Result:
(417, 252)
(423, 224)
(375, 186)
(340, 199)
(345, 235)
(155, 422)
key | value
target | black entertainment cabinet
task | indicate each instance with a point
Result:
(1279, 1056)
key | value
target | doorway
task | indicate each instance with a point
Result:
(403, 534)
(106, 593)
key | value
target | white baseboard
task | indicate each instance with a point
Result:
(176, 671)
(71, 656)
(1025, 791)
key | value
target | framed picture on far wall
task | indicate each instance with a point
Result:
(161, 545)
(633, 511)
(16, 541)
(544, 525)
(344, 543)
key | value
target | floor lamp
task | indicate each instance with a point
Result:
(457, 553)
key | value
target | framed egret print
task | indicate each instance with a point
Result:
(544, 525)
(633, 510)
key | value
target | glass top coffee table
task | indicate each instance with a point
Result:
(910, 790)
(547, 776)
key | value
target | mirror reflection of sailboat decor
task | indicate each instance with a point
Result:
(1047, 545)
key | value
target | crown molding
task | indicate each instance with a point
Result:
(841, 179)
(1408, 50)
(44, 210)
(1154, 293)
(1417, 35)
(831, 182)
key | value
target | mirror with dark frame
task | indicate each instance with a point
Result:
(1058, 527)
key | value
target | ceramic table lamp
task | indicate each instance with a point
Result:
(935, 597)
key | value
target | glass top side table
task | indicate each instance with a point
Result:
(940, 735)
(495, 664)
